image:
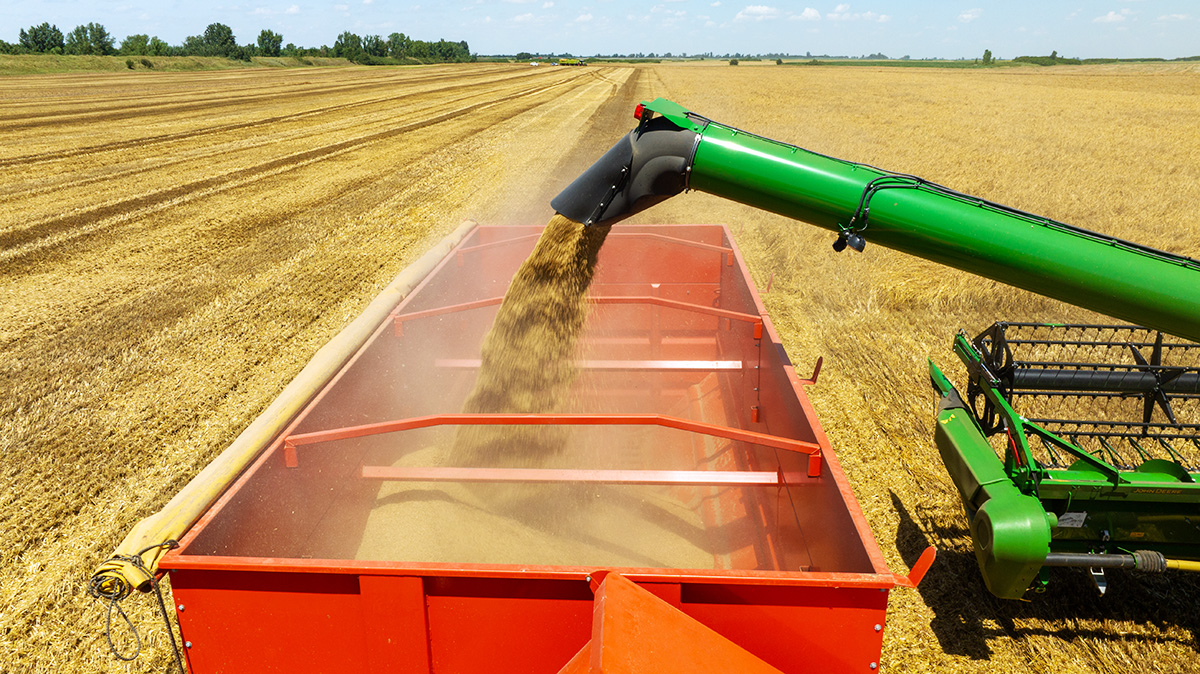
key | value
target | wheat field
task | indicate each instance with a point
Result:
(175, 246)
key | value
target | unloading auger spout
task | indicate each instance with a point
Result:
(673, 150)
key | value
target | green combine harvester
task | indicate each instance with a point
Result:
(1096, 466)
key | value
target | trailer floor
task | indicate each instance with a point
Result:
(568, 525)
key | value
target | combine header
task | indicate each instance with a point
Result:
(1099, 469)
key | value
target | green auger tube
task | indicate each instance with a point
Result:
(678, 150)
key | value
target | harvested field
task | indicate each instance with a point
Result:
(175, 246)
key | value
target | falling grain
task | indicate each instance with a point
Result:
(528, 356)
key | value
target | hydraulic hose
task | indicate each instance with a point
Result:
(678, 150)
(1150, 561)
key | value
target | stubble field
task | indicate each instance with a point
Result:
(175, 246)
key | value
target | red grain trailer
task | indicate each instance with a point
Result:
(691, 464)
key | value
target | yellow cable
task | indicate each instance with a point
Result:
(1183, 565)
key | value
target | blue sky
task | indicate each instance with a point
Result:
(938, 28)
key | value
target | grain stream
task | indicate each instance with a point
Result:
(528, 356)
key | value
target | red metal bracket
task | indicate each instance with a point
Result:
(816, 372)
(814, 465)
(918, 571)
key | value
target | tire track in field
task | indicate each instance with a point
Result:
(204, 100)
(15, 237)
(16, 346)
(55, 118)
(127, 316)
(145, 141)
(410, 99)
(224, 83)
(150, 111)
(24, 248)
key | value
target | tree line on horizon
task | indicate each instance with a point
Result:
(218, 40)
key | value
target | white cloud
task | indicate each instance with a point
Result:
(1174, 17)
(341, 8)
(715, 4)
(583, 18)
(842, 13)
(661, 9)
(367, 2)
(756, 13)
(809, 14)
(1111, 17)
(547, 5)
(970, 15)
(261, 11)
(523, 18)
(294, 9)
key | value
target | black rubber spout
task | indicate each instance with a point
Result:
(646, 166)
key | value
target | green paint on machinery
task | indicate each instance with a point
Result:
(1130, 500)
(1127, 499)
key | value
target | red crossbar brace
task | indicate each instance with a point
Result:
(812, 449)
(612, 235)
(656, 477)
(399, 319)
